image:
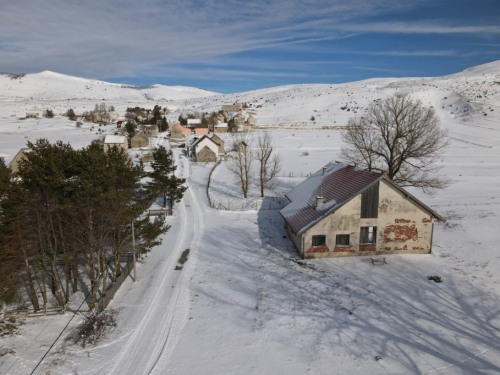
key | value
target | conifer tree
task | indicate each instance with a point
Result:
(165, 183)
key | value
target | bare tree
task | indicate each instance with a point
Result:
(240, 162)
(269, 161)
(401, 136)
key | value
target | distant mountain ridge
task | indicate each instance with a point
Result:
(49, 85)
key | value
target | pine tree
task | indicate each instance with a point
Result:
(165, 183)
(163, 125)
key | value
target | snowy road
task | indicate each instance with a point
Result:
(147, 349)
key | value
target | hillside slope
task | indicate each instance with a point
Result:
(54, 86)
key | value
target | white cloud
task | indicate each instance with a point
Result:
(117, 38)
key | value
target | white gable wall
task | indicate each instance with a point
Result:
(403, 227)
(209, 143)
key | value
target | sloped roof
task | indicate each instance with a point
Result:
(195, 143)
(217, 139)
(338, 185)
(114, 139)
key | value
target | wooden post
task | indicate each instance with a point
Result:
(133, 250)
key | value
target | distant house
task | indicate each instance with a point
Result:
(342, 210)
(250, 124)
(221, 118)
(139, 140)
(205, 149)
(115, 140)
(119, 124)
(239, 119)
(219, 142)
(31, 115)
(242, 147)
(232, 107)
(200, 129)
(179, 131)
(191, 122)
(221, 128)
(21, 155)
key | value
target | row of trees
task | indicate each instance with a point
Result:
(241, 162)
(67, 215)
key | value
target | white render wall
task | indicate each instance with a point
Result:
(209, 143)
(403, 227)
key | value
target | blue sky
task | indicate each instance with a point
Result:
(231, 46)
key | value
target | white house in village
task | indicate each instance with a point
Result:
(342, 210)
(115, 140)
(205, 149)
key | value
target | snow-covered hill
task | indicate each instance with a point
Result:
(475, 90)
(54, 86)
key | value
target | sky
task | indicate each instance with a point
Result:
(232, 46)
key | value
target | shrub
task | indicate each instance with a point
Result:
(95, 327)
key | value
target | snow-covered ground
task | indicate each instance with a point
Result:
(245, 304)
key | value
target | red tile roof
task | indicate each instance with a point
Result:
(337, 183)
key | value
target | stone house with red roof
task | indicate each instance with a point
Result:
(343, 210)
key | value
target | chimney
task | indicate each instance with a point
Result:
(356, 165)
(319, 201)
(325, 169)
(385, 172)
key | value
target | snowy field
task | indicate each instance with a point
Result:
(245, 304)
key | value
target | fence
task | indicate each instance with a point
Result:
(110, 293)
(210, 180)
(100, 305)
(243, 204)
(247, 204)
(29, 313)
(295, 174)
(162, 211)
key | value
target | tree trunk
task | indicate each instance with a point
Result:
(57, 284)
(74, 273)
(103, 275)
(44, 285)
(34, 298)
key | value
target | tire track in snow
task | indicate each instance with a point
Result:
(180, 305)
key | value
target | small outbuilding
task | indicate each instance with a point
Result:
(139, 140)
(342, 210)
(220, 128)
(242, 147)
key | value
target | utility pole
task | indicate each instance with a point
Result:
(133, 250)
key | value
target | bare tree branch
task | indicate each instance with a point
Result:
(240, 162)
(269, 161)
(401, 136)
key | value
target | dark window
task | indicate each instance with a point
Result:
(319, 240)
(368, 235)
(342, 240)
(369, 202)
